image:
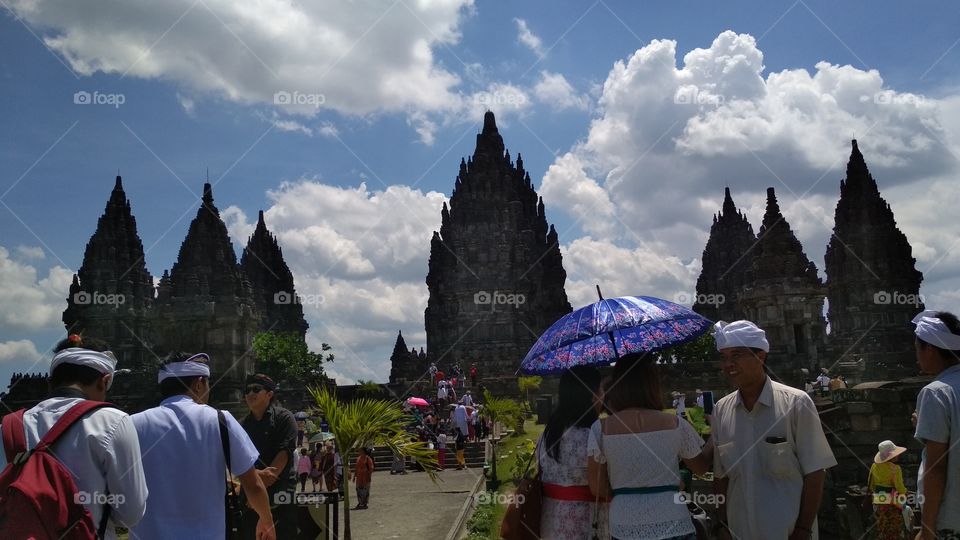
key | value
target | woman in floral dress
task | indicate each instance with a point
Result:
(570, 511)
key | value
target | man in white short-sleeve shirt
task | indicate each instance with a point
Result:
(771, 452)
(184, 463)
(938, 423)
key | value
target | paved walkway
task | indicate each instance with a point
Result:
(410, 506)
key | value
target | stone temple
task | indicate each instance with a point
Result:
(496, 277)
(872, 286)
(207, 302)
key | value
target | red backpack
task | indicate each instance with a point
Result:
(38, 497)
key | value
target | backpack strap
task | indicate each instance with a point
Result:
(14, 439)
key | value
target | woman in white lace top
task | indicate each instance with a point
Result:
(634, 455)
(569, 509)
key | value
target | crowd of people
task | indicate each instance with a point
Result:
(610, 456)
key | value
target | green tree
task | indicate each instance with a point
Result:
(285, 356)
(702, 349)
(363, 423)
(505, 412)
(368, 388)
(527, 384)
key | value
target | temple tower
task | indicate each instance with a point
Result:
(273, 291)
(112, 292)
(784, 296)
(726, 257)
(495, 275)
(872, 281)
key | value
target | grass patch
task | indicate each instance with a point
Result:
(484, 524)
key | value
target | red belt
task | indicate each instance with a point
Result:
(570, 493)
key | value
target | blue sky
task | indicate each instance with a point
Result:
(404, 85)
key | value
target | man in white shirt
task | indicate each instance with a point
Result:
(181, 442)
(771, 452)
(467, 399)
(699, 398)
(101, 450)
(938, 423)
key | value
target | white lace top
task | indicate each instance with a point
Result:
(569, 520)
(646, 460)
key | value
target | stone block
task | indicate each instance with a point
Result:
(865, 422)
(882, 395)
(848, 394)
(867, 438)
(900, 422)
(859, 407)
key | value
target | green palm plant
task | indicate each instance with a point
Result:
(505, 412)
(363, 423)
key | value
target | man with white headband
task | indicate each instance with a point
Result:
(938, 423)
(100, 450)
(770, 451)
(184, 458)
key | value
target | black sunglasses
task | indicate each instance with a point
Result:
(254, 389)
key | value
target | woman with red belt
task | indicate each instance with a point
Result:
(569, 509)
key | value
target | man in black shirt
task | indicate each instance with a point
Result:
(273, 431)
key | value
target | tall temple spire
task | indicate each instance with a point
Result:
(872, 281)
(725, 258)
(784, 295)
(277, 301)
(113, 283)
(494, 240)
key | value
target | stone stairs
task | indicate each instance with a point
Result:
(473, 454)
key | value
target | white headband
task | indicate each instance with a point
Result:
(187, 368)
(739, 334)
(104, 362)
(934, 331)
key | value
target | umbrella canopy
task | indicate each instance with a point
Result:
(322, 437)
(302, 415)
(418, 402)
(604, 331)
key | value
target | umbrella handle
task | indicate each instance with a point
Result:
(598, 292)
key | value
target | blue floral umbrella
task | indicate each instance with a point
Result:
(602, 332)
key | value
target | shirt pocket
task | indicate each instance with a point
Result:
(779, 461)
(728, 457)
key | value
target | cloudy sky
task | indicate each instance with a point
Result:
(345, 121)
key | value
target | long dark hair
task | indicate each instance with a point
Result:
(636, 384)
(575, 406)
